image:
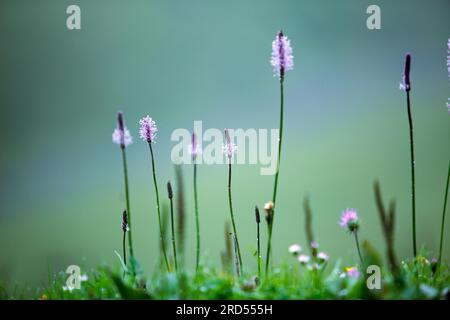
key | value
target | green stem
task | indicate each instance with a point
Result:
(163, 245)
(413, 175)
(197, 223)
(123, 247)
(443, 216)
(127, 200)
(259, 251)
(357, 247)
(173, 235)
(232, 215)
(274, 196)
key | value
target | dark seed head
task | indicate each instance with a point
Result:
(120, 120)
(257, 216)
(169, 190)
(434, 265)
(407, 71)
(124, 221)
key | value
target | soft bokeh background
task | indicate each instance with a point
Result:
(61, 184)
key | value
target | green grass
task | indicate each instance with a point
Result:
(415, 279)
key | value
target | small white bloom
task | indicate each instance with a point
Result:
(83, 277)
(303, 258)
(295, 249)
(323, 256)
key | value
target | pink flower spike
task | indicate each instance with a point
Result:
(282, 59)
(194, 148)
(229, 148)
(349, 220)
(121, 135)
(148, 129)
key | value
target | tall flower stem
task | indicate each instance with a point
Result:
(274, 196)
(197, 222)
(174, 245)
(236, 256)
(127, 200)
(163, 245)
(258, 221)
(443, 215)
(357, 247)
(123, 247)
(230, 203)
(413, 175)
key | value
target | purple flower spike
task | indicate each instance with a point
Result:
(405, 85)
(148, 129)
(229, 148)
(448, 58)
(448, 69)
(349, 220)
(121, 135)
(194, 147)
(282, 59)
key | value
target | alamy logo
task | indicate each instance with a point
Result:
(373, 22)
(73, 21)
(74, 279)
(374, 279)
(253, 147)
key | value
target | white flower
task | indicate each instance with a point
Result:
(295, 249)
(323, 256)
(303, 258)
(83, 277)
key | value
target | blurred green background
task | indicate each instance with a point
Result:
(61, 184)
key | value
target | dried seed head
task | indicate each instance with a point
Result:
(434, 265)
(120, 120)
(405, 85)
(407, 72)
(169, 190)
(268, 207)
(257, 216)
(125, 227)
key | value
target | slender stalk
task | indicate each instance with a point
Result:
(232, 216)
(163, 245)
(123, 247)
(236, 256)
(228, 254)
(443, 216)
(197, 222)
(387, 218)
(169, 189)
(413, 175)
(274, 196)
(181, 214)
(258, 248)
(357, 247)
(127, 200)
